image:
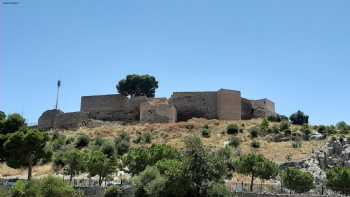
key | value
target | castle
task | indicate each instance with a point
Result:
(223, 104)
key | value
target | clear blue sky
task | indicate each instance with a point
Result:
(296, 52)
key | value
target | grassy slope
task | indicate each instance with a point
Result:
(174, 133)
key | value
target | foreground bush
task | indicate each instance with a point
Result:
(219, 190)
(47, 187)
(338, 179)
(297, 180)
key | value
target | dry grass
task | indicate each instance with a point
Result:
(174, 133)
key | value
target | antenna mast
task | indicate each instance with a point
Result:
(58, 91)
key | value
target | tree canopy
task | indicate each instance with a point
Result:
(138, 85)
(297, 180)
(257, 166)
(25, 148)
(299, 118)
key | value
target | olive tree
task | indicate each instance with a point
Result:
(99, 164)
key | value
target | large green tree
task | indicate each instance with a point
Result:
(12, 123)
(138, 85)
(25, 148)
(257, 166)
(338, 179)
(74, 162)
(200, 167)
(299, 118)
(297, 180)
(99, 164)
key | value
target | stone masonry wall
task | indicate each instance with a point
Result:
(113, 107)
(71, 120)
(195, 104)
(228, 105)
(157, 111)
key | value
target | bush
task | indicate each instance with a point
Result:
(299, 118)
(219, 190)
(255, 144)
(99, 141)
(297, 180)
(234, 141)
(147, 138)
(108, 149)
(47, 187)
(306, 132)
(343, 127)
(254, 132)
(122, 143)
(338, 179)
(297, 144)
(277, 118)
(205, 132)
(114, 191)
(55, 187)
(82, 141)
(264, 126)
(284, 125)
(232, 129)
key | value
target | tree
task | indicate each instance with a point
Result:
(338, 179)
(343, 127)
(297, 180)
(25, 148)
(12, 123)
(176, 184)
(299, 118)
(201, 168)
(99, 164)
(2, 116)
(138, 85)
(257, 166)
(149, 183)
(55, 187)
(74, 162)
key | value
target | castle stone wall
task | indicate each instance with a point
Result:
(228, 105)
(195, 104)
(71, 120)
(47, 119)
(246, 109)
(263, 108)
(157, 111)
(114, 107)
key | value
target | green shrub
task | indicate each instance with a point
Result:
(254, 132)
(234, 141)
(219, 190)
(297, 180)
(82, 141)
(54, 187)
(343, 127)
(299, 118)
(69, 140)
(147, 138)
(297, 144)
(114, 191)
(305, 129)
(338, 179)
(99, 141)
(255, 144)
(122, 143)
(284, 125)
(108, 149)
(232, 129)
(264, 126)
(12, 123)
(205, 132)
